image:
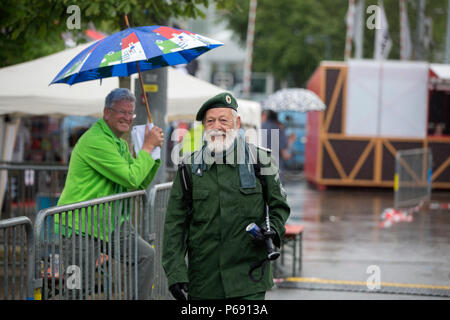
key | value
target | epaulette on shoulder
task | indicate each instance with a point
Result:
(259, 152)
(189, 157)
(264, 149)
(186, 158)
(253, 146)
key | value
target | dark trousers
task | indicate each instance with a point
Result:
(116, 258)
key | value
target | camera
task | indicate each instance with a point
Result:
(258, 234)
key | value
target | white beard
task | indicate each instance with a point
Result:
(219, 144)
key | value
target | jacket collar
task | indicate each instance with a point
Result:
(107, 129)
(241, 157)
(228, 157)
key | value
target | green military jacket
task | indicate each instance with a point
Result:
(101, 165)
(220, 251)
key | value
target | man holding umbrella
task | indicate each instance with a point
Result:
(228, 194)
(101, 165)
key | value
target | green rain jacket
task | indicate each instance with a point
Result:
(220, 251)
(101, 165)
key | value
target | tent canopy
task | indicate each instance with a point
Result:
(24, 90)
(440, 76)
(442, 71)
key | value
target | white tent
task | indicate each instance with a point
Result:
(24, 89)
(440, 76)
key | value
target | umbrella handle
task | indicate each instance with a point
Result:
(149, 116)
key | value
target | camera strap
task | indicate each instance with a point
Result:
(260, 264)
(186, 186)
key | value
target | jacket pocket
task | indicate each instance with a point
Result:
(251, 202)
(201, 205)
(251, 191)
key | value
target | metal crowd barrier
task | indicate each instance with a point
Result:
(95, 270)
(158, 200)
(17, 256)
(413, 177)
(52, 268)
(30, 187)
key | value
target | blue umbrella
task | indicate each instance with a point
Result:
(133, 50)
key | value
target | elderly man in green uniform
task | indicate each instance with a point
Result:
(101, 165)
(227, 195)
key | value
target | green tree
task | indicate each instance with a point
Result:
(293, 36)
(32, 28)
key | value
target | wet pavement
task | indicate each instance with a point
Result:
(342, 239)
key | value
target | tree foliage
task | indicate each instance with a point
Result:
(291, 36)
(32, 28)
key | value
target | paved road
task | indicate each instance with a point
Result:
(342, 239)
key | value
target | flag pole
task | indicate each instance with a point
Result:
(405, 38)
(249, 48)
(447, 40)
(359, 29)
(380, 57)
(420, 30)
(149, 116)
(350, 26)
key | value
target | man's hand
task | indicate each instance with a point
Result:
(268, 234)
(177, 290)
(261, 241)
(152, 138)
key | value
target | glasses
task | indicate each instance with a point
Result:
(124, 113)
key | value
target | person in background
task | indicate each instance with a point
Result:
(270, 125)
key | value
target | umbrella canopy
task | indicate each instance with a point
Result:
(132, 50)
(294, 99)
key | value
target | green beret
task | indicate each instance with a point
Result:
(222, 100)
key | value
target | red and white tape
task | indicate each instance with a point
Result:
(391, 216)
(439, 206)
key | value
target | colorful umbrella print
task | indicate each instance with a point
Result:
(152, 47)
(134, 50)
